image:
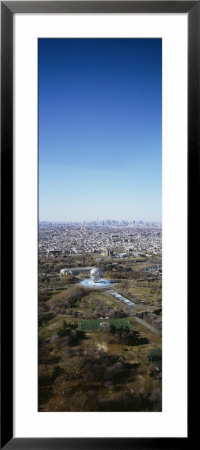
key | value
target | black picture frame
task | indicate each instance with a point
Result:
(8, 9)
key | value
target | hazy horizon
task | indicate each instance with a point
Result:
(98, 222)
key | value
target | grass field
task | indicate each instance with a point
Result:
(93, 325)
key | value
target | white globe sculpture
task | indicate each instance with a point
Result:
(96, 273)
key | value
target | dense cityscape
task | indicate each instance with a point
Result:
(108, 238)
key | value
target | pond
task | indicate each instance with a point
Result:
(98, 283)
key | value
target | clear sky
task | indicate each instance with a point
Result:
(100, 129)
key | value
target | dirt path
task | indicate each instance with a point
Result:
(145, 324)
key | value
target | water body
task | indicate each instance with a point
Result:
(123, 299)
(92, 283)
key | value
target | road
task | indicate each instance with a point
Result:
(145, 324)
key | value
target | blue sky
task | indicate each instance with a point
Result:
(100, 129)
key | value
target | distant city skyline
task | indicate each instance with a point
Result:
(100, 222)
(100, 130)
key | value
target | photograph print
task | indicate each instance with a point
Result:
(100, 225)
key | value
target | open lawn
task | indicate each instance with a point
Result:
(93, 325)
